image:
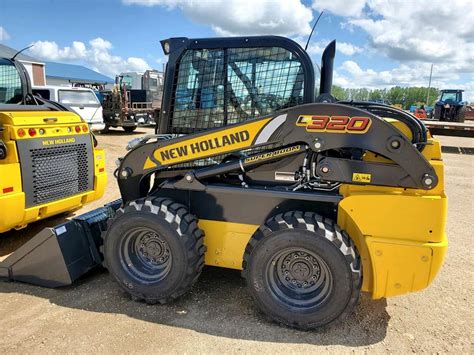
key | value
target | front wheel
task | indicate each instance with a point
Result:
(302, 270)
(154, 249)
(129, 129)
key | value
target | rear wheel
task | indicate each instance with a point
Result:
(302, 270)
(154, 249)
(129, 129)
(437, 113)
(460, 114)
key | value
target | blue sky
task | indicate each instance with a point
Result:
(377, 46)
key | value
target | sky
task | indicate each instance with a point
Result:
(380, 43)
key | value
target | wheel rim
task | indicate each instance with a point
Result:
(299, 278)
(145, 255)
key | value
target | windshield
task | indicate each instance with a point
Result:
(128, 81)
(10, 84)
(76, 97)
(449, 96)
(153, 83)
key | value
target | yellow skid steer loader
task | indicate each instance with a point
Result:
(314, 199)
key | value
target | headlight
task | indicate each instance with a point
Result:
(133, 143)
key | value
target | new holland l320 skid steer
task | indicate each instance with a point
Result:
(314, 199)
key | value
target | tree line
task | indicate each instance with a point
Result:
(404, 96)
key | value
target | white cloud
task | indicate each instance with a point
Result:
(413, 33)
(351, 8)
(351, 75)
(243, 17)
(348, 48)
(96, 55)
(50, 50)
(150, 3)
(317, 48)
(422, 30)
(4, 35)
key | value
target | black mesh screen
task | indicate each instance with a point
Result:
(59, 172)
(10, 84)
(216, 87)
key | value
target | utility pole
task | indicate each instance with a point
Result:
(429, 86)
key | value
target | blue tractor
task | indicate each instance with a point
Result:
(450, 106)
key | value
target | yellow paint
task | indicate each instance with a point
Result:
(216, 141)
(403, 267)
(400, 233)
(360, 177)
(12, 204)
(149, 164)
(226, 242)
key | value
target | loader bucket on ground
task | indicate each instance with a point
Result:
(60, 255)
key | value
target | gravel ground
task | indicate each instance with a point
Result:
(219, 316)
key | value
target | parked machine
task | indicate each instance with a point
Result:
(134, 100)
(83, 101)
(450, 106)
(49, 162)
(313, 199)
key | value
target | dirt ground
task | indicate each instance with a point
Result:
(218, 314)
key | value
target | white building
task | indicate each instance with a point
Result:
(35, 68)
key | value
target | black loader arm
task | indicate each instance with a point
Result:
(335, 136)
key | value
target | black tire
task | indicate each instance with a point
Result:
(460, 115)
(302, 270)
(437, 113)
(129, 129)
(154, 249)
(106, 129)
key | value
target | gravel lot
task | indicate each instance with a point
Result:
(219, 316)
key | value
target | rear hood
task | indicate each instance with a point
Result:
(38, 118)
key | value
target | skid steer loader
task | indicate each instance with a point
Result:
(313, 199)
(49, 162)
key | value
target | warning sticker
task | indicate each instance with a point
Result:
(360, 177)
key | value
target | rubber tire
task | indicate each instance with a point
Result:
(178, 227)
(129, 129)
(437, 113)
(328, 241)
(460, 115)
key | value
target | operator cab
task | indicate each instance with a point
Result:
(212, 83)
(451, 96)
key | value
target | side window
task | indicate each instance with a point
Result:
(10, 83)
(198, 99)
(262, 81)
(216, 87)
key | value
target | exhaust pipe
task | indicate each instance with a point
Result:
(327, 64)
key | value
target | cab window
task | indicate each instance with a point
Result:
(76, 97)
(10, 83)
(216, 87)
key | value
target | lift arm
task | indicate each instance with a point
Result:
(323, 128)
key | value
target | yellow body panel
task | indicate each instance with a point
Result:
(400, 233)
(12, 203)
(226, 242)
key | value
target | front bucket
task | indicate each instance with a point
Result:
(60, 255)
